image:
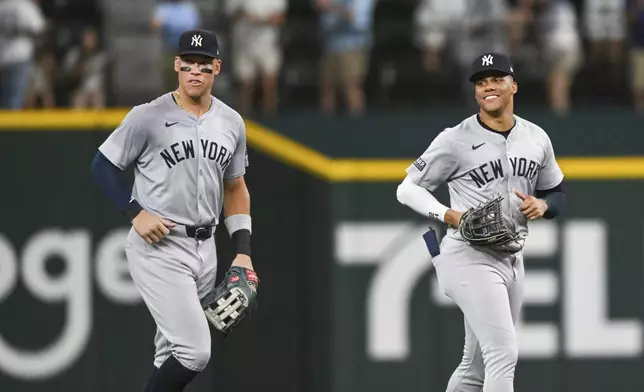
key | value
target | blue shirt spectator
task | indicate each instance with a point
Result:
(346, 24)
(173, 17)
(21, 23)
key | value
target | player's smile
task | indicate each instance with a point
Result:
(494, 92)
(491, 101)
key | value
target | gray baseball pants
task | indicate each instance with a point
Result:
(488, 288)
(172, 276)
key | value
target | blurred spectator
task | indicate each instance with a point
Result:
(171, 18)
(256, 49)
(346, 31)
(435, 21)
(520, 18)
(41, 86)
(84, 66)
(562, 51)
(605, 25)
(483, 29)
(637, 53)
(21, 21)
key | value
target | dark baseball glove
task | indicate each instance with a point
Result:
(484, 226)
(232, 300)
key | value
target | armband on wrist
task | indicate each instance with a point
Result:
(241, 240)
(240, 228)
(133, 209)
(556, 204)
(238, 222)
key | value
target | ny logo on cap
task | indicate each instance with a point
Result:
(487, 60)
(196, 40)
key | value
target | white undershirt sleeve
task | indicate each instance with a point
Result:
(420, 200)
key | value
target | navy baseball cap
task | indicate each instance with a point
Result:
(200, 42)
(491, 63)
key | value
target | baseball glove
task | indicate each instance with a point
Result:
(232, 300)
(484, 226)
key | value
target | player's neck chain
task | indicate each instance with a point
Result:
(178, 101)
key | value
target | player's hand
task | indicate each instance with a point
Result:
(532, 207)
(151, 227)
(453, 218)
(243, 261)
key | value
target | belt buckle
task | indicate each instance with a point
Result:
(202, 233)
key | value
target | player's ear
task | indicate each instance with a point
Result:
(216, 67)
(515, 86)
(177, 64)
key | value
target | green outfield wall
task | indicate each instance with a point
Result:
(348, 298)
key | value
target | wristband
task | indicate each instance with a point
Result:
(238, 222)
(133, 209)
(241, 239)
(556, 202)
(239, 228)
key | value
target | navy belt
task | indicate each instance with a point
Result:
(199, 233)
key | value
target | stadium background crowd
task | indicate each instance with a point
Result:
(332, 55)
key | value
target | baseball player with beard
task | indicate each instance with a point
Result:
(498, 157)
(188, 150)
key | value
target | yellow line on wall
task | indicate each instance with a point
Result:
(304, 158)
(574, 168)
(55, 120)
(603, 168)
(288, 151)
(388, 170)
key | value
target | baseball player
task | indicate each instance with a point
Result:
(188, 150)
(491, 153)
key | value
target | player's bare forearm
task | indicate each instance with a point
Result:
(236, 197)
(242, 260)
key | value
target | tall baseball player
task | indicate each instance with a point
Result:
(501, 173)
(188, 150)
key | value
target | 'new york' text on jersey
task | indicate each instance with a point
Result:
(180, 161)
(478, 164)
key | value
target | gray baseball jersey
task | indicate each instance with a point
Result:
(487, 285)
(478, 164)
(181, 161)
(180, 165)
